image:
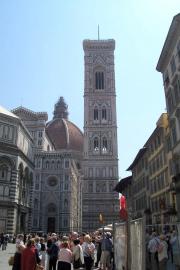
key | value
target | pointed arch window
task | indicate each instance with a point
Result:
(47, 164)
(59, 164)
(35, 203)
(96, 116)
(104, 113)
(104, 145)
(99, 80)
(3, 172)
(6, 191)
(96, 144)
(65, 204)
(52, 164)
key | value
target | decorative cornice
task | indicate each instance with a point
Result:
(171, 39)
(107, 44)
(37, 115)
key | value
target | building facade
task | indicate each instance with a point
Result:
(169, 65)
(100, 163)
(151, 186)
(57, 174)
(140, 185)
(159, 170)
(40, 171)
(16, 174)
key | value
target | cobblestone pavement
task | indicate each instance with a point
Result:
(5, 255)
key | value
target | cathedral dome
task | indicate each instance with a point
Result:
(63, 133)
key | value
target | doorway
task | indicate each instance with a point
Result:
(51, 224)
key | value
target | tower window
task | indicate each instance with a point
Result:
(104, 114)
(96, 144)
(104, 145)
(99, 79)
(95, 114)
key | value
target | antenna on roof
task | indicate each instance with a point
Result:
(98, 31)
(21, 101)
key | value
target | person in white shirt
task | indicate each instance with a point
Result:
(78, 258)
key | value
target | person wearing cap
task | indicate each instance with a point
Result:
(162, 252)
(106, 248)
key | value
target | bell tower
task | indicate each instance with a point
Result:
(100, 134)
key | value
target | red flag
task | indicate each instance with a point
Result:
(123, 210)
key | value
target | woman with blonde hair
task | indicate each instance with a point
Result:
(64, 257)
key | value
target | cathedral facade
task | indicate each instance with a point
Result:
(54, 178)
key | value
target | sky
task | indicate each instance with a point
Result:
(41, 59)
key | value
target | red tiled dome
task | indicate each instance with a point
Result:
(65, 135)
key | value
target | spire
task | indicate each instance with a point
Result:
(61, 109)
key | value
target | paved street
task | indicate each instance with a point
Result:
(4, 257)
(5, 254)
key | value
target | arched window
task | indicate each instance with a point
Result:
(104, 114)
(96, 144)
(52, 164)
(59, 164)
(47, 164)
(3, 172)
(104, 145)
(35, 203)
(65, 204)
(99, 80)
(6, 191)
(96, 116)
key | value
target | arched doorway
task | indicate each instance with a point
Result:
(51, 224)
(51, 221)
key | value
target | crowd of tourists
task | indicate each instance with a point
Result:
(63, 252)
(161, 249)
